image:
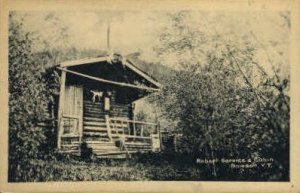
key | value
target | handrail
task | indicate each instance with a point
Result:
(69, 135)
(137, 137)
(107, 121)
(133, 121)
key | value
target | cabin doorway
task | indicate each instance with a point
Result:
(73, 107)
(94, 122)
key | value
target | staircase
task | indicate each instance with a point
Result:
(95, 131)
(103, 136)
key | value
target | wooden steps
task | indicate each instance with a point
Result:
(96, 137)
(100, 147)
(95, 131)
(95, 134)
(95, 128)
(94, 123)
(87, 118)
(137, 146)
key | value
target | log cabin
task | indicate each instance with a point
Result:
(96, 107)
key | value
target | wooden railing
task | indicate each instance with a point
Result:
(132, 133)
(69, 132)
(131, 128)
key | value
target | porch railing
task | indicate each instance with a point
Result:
(132, 133)
(69, 133)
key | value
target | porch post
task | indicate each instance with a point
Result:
(61, 107)
(159, 135)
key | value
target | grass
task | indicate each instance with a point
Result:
(139, 168)
(142, 167)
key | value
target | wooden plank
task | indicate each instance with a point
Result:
(102, 147)
(126, 62)
(116, 152)
(132, 121)
(110, 81)
(108, 127)
(61, 107)
(136, 137)
(117, 128)
(130, 65)
(142, 130)
(115, 157)
(159, 135)
(101, 142)
(70, 145)
(120, 125)
(94, 110)
(70, 116)
(93, 106)
(137, 143)
(94, 134)
(96, 138)
(83, 61)
(90, 128)
(89, 102)
(94, 123)
(92, 114)
(93, 119)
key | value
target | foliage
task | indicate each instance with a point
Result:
(33, 90)
(226, 104)
(27, 98)
(142, 167)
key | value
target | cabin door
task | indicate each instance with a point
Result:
(73, 108)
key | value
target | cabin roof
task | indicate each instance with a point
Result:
(125, 61)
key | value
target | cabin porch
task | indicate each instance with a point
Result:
(97, 114)
(109, 136)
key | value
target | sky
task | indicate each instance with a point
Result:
(138, 31)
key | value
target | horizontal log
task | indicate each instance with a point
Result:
(70, 145)
(96, 138)
(64, 142)
(94, 134)
(88, 118)
(93, 110)
(90, 107)
(118, 128)
(136, 137)
(70, 148)
(109, 81)
(96, 129)
(131, 121)
(98, 112)
(136, 144)
(70, 136)
(94, 113)
(114, 152)
(118, 125)
(91, 102)
(94, 123)
(115, 133)
(104, 148)
(114, 157)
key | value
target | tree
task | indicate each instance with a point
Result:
(226, 104)
(27, 99)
